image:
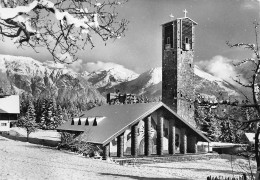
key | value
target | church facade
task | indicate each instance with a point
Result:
(166, 127)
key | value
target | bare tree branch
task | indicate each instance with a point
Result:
(64, 28)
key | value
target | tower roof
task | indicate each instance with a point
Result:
(194, 22)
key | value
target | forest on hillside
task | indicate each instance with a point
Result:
(218, 121)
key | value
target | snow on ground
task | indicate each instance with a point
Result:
(29, 161)
(39, 134)
(201, 169)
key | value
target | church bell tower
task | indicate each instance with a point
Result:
(178, 91)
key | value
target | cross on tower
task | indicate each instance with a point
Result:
(185, 12)
(171, 16)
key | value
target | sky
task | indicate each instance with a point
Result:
(218, 21)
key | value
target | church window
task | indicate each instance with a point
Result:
(186, 40)
(168, 35)
(95, 122)
(168, 40)
(87, 123)
(128, 136)
(190, 65)
(114, 142)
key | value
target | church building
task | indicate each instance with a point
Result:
(159, 128)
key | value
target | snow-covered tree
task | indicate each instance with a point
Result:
(252, 66)
(58, 120)
(27, 121)
(49, 115)
(43, 114)
(63, 27)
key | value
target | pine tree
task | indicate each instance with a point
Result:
(12, 90)
(43, 114)
(65, 115)
(49, 115)
(58, 118)
(55, 117)
(37, 105)
(28, 120)
(214, 131)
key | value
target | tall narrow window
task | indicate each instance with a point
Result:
(95, 122)
(87, 123)
(186, 40)
(168, 40)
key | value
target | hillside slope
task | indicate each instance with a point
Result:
(21, 74)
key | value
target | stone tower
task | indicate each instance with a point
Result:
(177, 66)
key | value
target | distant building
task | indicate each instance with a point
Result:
(249, 138)
(9, 110)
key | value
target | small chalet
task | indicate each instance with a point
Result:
(136, 129)
(249, 138)
(9, 110)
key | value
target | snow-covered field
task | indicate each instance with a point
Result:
(21, 160)
(39, 134)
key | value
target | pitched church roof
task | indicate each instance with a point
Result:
(113, 120)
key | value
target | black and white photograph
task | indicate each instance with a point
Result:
(130, 89)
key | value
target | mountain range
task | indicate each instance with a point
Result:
(24, 74)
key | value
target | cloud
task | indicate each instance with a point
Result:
(250, 4)
(99, 65)
(80, 66)
(54, 65)
(223, 68)
(77, 66)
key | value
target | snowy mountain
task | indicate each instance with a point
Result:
(107, 78)
(21, 74)
(208, 84)
(26, 74)
(149, 84)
